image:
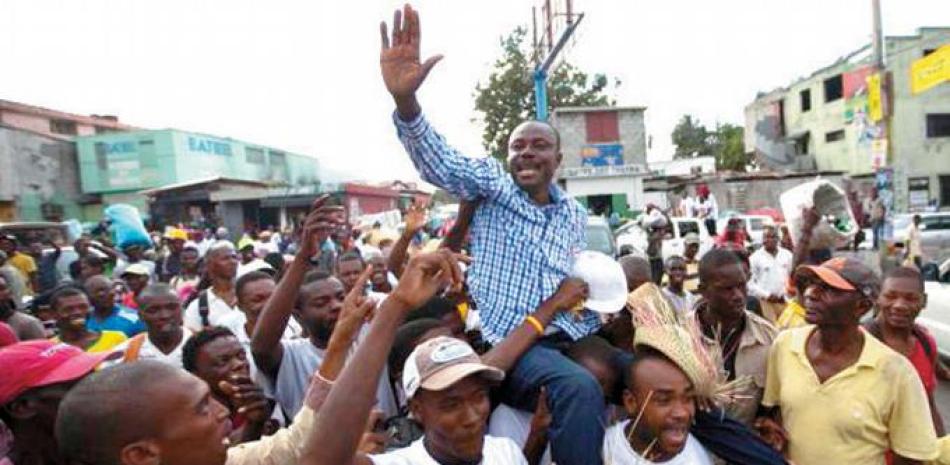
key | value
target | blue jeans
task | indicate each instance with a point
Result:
(878, 229)
(575, 399)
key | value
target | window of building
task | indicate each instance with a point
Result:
(833, 88)
(944, 190)
(146, 142)
(805, 96)
(938, 125)
(277, 158)
(104, 130)
(602, 126)
(254, 155)
(62, 126)
(834, 136)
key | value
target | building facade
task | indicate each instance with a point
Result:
(57, 124)
(39, 172)
(605, 153)
(39, 178)
(825, 122)
(116, 167)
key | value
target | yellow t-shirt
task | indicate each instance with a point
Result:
(106, 342)
(24, 263)
(792, 317)
(855, 416)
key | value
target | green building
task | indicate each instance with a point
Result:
(117, 166)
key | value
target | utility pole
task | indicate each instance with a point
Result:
(541, 70)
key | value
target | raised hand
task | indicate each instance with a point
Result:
(322, 220)
(357, 308)
(402, 70)
(415, 219)
(426, 274)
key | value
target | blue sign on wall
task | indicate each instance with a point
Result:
(602, 155)
(118, 147)
(198, 144)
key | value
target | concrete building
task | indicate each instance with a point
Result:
(116, 167)
(39, 173)
(39, 178)
(57, 124)
(822, 122)
(604, 151)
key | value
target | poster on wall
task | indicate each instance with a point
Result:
(918, 194)
(602, 155)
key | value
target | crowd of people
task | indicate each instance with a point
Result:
(480, 351)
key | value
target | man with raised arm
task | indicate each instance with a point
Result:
(525, 233)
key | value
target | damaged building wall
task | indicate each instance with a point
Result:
(39, 178)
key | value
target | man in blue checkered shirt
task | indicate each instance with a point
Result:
(525, 234)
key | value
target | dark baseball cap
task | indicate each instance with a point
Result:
(844, 273)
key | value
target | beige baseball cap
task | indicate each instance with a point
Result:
(441, 362)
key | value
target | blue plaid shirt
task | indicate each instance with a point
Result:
(522, 251)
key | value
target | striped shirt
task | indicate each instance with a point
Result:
(522, 251)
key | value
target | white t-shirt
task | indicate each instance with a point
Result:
(495, 451)
(217, 309)
(149, 351)
(301, 359)
(509, 422)
(769, 272)
(617, 450)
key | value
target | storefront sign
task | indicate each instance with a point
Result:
(201, 144)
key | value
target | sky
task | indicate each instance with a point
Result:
(304, 75)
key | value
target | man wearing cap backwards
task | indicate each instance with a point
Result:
(71, 308)
(36, 376)
(743, 337)
(107, 314)
(838, 393)
(525, 233)
(133, 255)
(691, 281)
(136, 277)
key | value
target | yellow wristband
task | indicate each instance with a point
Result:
(535, 323)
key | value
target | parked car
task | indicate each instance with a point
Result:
(599, 236)
(934, 234)
(634, 235)
(754, 225)
(936, 315)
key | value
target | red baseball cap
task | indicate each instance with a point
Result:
(37, 363)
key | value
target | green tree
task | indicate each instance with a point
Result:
(729, 148)
(691, 138)
(507, 98)
(725, 143)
